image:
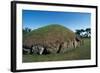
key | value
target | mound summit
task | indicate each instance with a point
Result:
(53, 38)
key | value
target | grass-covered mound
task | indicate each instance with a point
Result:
(54, 37)
(50, 33)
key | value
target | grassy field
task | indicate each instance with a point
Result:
(81, 53)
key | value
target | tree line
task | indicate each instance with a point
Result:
(84, 33)
(26, 30)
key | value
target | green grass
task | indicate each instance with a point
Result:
(80, 53)
(42, 31)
